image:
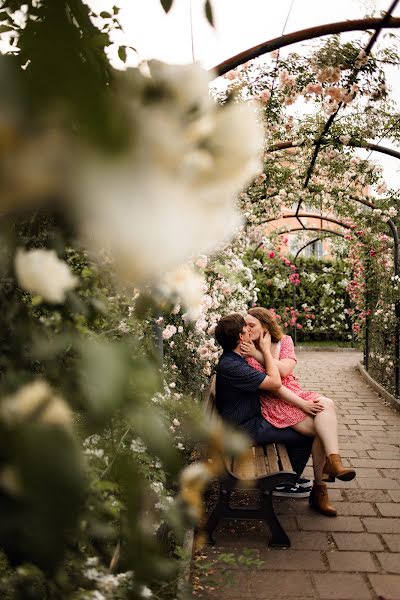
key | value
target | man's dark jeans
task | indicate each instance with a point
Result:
(298, 446)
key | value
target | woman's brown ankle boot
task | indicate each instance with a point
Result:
(334, 468)
(319, 500)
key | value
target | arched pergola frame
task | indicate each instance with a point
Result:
(377, 24)
(302, 36)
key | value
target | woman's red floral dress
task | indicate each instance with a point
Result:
(273, 409)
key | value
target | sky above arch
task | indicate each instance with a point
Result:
(184, 34)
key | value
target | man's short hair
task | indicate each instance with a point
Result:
(228, 330)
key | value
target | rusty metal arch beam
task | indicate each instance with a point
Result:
(320, 229)
(366, 146)
(309, 215)
(302, 36)
(318, 239)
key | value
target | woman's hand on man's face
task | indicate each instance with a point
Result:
(248, 349)
(265, 341)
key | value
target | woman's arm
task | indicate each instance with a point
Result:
(309, 407)
(286, 366)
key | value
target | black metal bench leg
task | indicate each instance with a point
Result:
(279, 539)
(219, 510)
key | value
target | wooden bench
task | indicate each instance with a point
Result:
(261, 468)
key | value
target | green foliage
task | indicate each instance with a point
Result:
(317, 307)
(67, 496)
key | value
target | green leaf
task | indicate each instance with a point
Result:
(105, 15)
(166, 4)
(122, 53)
(5, 28)
(209, 12)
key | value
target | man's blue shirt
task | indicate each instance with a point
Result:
(237, 396)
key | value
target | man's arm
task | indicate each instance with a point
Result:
(272, 381)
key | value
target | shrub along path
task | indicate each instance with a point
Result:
(355, 556)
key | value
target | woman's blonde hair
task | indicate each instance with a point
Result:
(268, 321)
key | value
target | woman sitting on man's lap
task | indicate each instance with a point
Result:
(309, 413)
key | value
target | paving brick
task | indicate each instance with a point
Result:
(370, 422)
(388, 455)
(357, 445)
(378, 483)
(386, 447)
(361, 562)
(386, 586)
(389, 438)
(291, 560)
(346, 586)
(356, 508)
(288, 522)
(277, 585)
(395, 495)
(393, 541)
(224, 583)
(335, 495)
(344, 484)
(389, 510)
(378, 463)
(390, 473)
(313, 540)
(367, 495)
(322, 523)
(381, 525)
(367, 472)
(357, 541)
(389, 562)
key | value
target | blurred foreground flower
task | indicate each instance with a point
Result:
(172, 194)
(187, 286)
(36, 401)
(41, 272)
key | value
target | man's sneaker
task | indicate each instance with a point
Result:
(290, 490)
(306, 484)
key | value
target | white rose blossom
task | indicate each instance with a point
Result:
(188, 286)
(172, 194)
(41, 272)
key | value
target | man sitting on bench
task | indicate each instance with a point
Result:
(237, 400)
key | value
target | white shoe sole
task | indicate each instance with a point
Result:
(289, 495)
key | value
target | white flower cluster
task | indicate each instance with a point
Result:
(36, 401)
(41, 272)
(172, 195)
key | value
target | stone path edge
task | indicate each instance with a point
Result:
(377, 387)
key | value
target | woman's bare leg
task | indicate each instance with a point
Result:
(324, 422)
(324, 425)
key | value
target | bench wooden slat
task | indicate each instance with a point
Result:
(272, 459)
(260, 464)
(243, 466)
(284, 458)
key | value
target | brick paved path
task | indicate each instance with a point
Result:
(355, 556)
